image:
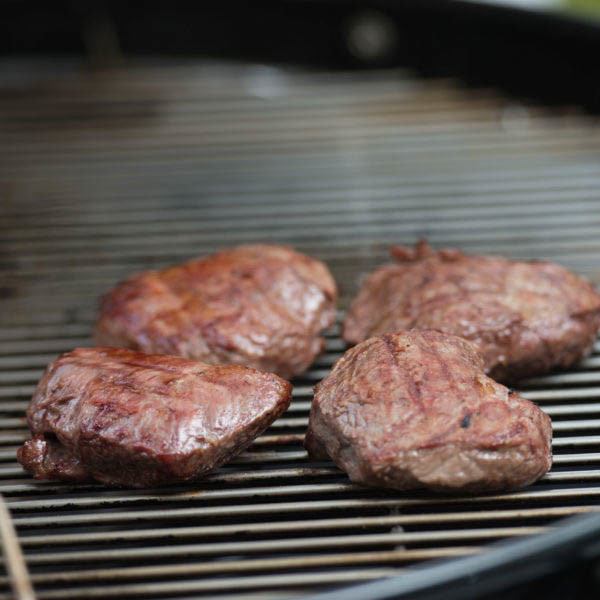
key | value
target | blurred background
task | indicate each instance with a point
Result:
(137, 135)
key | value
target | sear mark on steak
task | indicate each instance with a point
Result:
(525, 317)
(136, 420)
(258, 305)
(426, 415)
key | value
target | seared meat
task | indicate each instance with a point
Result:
(525, 317)
(46, 458)
(415, 409)
(260, 306)
(129, 419)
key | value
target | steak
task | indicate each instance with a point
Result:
(415, 409)
(526, 317)
(258, 305)
(129, 419)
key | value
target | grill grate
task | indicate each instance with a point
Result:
(105, 175)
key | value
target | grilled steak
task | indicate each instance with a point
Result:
(129, 419)
(525, 317)
(260, 306)
(415, 409)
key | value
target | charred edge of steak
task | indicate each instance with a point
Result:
(46, 458)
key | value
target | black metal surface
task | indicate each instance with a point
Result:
(106, 174)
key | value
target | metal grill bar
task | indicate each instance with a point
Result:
(164, 163)
(305, 526)
(321, 560)
(298, 544)
(287, 508)
(250, 219)
(220, 584)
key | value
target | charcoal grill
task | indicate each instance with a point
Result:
(108, 174)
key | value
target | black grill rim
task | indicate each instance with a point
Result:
(504, 565)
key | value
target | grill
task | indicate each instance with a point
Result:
(108, 174)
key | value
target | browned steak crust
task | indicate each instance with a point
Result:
(415, 409)
(261, 306)
(130, 419)
(525, 317)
